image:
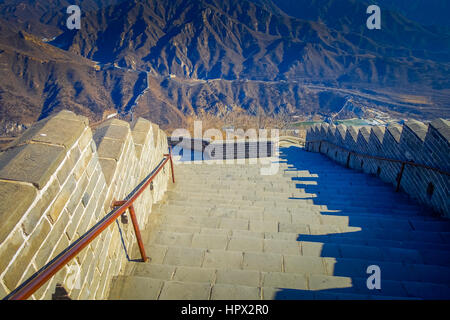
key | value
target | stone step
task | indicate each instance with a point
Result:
(424, 247)
(308, 216)
(267, 282)
(273, 262)
(306, 231)
(247, 241)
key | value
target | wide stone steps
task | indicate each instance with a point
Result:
(303, 230)
(167, 281)
(272, 262)
(288, 244)
(308, 232)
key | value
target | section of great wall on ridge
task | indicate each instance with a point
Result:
(224, 230)
(415, 157)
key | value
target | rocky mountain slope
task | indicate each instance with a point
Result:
(167, 60)
(38, 79)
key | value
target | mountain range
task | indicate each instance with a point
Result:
(167, 60)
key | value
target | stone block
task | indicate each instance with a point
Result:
(281, 246)
(263, 226)
(238, 277)
(85, 139)
(33, 163)
(209, 241)
(155, 271)
(55, 130)
(193, 274)
(15, 199)
(245, 244)
(173, 290)
(68, 165)
(18, 267)
(76, 197)
(262, 261)
(108, 168)
(110, 148)
(222, 259)
(53, 238)
(324, 282)
(285, 280)
(235, 292)
(9, 248)
(173, 239)
(180, 256)
(139, 137)
(62, 198)
(141, 125)
(135, 288)
(111, 131)
(303, 264)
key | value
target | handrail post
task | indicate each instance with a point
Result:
(399, 177)
(171, 164)
(348, 159)
(138, 233)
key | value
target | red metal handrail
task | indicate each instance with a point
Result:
(28, 287)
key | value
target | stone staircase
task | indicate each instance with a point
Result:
(308, 232)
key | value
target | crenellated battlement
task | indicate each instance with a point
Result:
(56, 181)
(415, 157)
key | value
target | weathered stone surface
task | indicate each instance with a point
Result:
(9, 248)
(52, 240)
(235, 292)
(15, 200)
(116, 132)
(245, 244)
(174, 290)
(62, 198)
(443, 127)
(31, 163)
(192, 274)
(323, 282)
(209, 241)
(418, 128)
(18, 267)
(285, 280)
(262, 261)
(141, 288)
(182, 256)
(139, 137)
(238, 277)
(222, 259)
(110, 148)
(156, 271)
(59, 131)
(141, 125)
(3, 292)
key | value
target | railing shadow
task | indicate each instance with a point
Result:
(370, 233)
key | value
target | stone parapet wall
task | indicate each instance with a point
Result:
(413, 142)
(56, 181)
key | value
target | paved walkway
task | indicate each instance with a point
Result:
(308, 232)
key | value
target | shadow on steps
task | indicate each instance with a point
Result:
(375, 226)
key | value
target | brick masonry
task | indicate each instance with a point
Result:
(56, 181)
(414, 142)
